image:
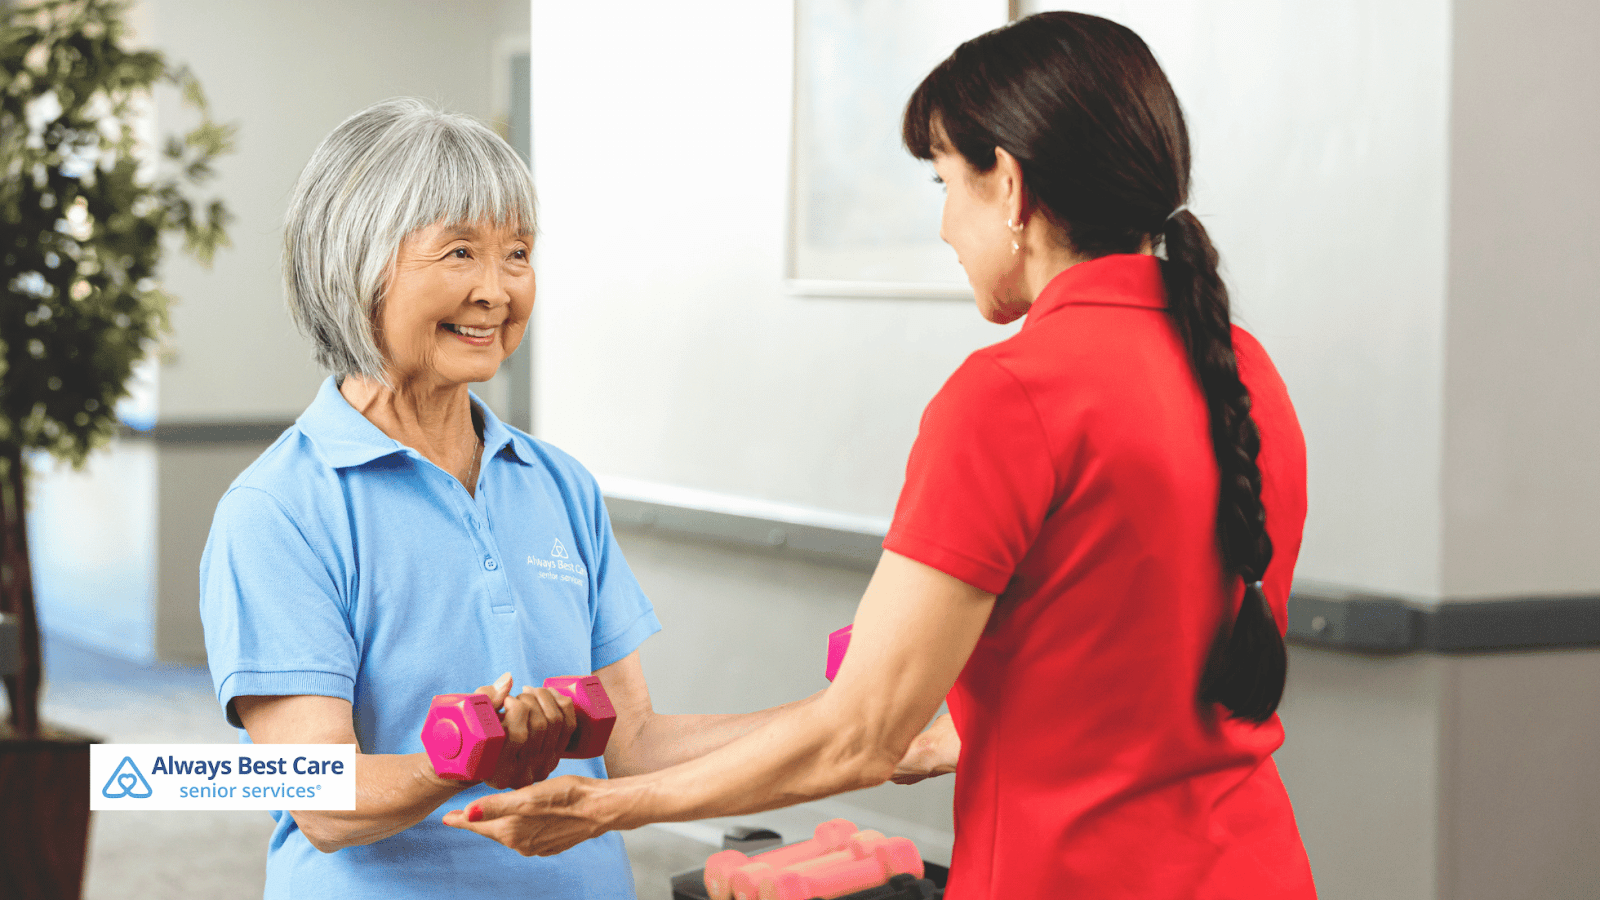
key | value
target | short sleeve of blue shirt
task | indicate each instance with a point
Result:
(344, 564)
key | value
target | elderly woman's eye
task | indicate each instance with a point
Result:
(460, 253)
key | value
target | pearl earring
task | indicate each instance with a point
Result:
(1016, 232)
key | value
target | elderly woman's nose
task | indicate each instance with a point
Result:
(490, 287)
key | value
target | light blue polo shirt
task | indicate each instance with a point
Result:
(343, 564)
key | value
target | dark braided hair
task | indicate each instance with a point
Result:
(1090, 117)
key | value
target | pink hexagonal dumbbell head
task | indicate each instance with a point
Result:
(463, 736)
(596, 717)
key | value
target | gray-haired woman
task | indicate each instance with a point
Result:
(400, 541)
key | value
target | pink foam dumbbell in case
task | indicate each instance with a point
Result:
(838, 643)
(867, 862)
(749, 879)
(463, 736)
(826, 838)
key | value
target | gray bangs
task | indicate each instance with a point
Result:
(386, 172)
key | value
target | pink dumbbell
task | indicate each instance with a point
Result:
(748, 879)
(596, 717)
(866, 863)
(463, 736)
(826, 838)
(838, 643)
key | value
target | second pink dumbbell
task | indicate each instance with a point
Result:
(838, 643)
(749, 880)
(869, 860)
(722, 866)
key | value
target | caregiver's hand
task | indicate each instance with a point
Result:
(934, 752)
(539, 820)
(538, 722)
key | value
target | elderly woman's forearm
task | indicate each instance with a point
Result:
(393, 793)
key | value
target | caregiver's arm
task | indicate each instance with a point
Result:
(644, 740)
(395, 791)
(913, 632)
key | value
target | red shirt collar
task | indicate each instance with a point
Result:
(1122, 279)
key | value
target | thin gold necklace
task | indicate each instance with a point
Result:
(477, 455)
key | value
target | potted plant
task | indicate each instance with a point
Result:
(84, 206)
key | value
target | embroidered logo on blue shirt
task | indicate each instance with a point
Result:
(561, 566)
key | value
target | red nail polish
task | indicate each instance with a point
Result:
(474, 814)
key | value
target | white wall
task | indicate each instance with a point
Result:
(1522, 438)
(287, 72)
(1360, 759)
(92, 543)
(1319, 133)
(669, 352)
(667, 349)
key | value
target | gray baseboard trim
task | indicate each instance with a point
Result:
(1319, 615)
(253, 431)
(1377, 624)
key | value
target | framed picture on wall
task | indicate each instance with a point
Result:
(863, 214)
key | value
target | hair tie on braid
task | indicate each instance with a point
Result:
(1175, 213)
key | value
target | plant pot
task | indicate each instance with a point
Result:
(44, 813)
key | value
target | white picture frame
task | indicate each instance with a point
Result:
(863, 215)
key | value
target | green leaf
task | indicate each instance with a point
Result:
(72, 331)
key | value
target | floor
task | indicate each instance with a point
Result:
(147, 855)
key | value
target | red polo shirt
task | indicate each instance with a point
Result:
(1069, 470)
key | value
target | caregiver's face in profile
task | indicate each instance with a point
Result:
(457, 304)
(974, 224)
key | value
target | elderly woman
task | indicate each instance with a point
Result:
(387, 547)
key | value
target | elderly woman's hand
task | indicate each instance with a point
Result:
(540, 820)
(539, 723)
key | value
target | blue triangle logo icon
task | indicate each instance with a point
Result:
(126, 781)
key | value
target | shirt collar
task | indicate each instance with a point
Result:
(1122, 279)
(345, 438)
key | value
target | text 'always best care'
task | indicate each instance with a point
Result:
(211, 768)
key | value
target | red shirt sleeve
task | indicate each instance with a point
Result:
(979, 480)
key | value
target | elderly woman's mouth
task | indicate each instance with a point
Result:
(468, 331)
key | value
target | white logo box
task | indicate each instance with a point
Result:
(222, 776)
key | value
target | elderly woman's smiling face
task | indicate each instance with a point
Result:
(457, 304)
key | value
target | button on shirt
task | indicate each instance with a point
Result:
(344, 564)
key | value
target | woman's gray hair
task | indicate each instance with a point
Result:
(384, 173)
